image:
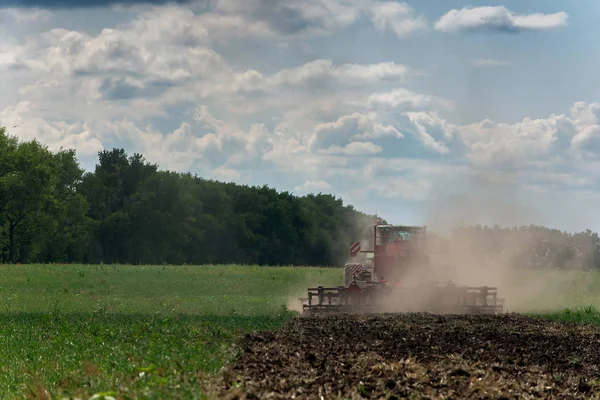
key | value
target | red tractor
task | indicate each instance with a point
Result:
(389, 270)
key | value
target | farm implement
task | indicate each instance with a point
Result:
(389, 271)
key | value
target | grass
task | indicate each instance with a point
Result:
(195, 290)
(558, 290)
(133, 355)
(161, 331)
(134, 331)
(586, 315)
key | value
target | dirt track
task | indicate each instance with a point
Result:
(398, 356)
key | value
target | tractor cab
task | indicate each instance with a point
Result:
(397, 235)
(395, 247)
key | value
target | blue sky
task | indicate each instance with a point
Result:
(429, 112)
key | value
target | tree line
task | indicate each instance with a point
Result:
(129, 211)
(531, 246)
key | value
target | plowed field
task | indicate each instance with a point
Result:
(417, 355)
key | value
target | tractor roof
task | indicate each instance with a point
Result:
(406, 228)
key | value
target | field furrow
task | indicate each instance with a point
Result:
(398, 356)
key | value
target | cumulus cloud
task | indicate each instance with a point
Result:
(315, 75)
(307, 18)
(396, 17)
(405, 99)
(143, 58)
(320, 71)
(165, 56)
(335, 136)
(503, 144)
(429, 125)
(20, 122)
(8, 54)
(168, 84)
(273, 18)
(586, 121)
(542, 142)
(492, 144)
(204, 143)
(354, 149)
(498, 18)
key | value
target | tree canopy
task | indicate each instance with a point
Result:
(127, 210)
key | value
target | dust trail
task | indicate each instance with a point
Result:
(468, 258)
(482, 197)
(487, 198)
(462, 256)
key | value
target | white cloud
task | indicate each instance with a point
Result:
(337, 135)
(493, 143)
(157, 85)
(226, 174)
(489, 62)
(321, 70)
(317, 74)
(214, 146)
(556, 140)
(142, 58)
(311, 186)
(407, 100)
(420, 116)
(207, 142)
(306, 18)
(586, 121)
(354, 149)
(20, 122)
(498, 18)
(396, 17)
(270, 19)
(428, 123)
(585, 115)
(8, 54)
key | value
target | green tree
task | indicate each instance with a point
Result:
(34, 184)
(68, 230)
(108, 189)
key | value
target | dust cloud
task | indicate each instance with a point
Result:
(485, 198)
(488, 198)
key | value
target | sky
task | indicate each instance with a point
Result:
(425, 112)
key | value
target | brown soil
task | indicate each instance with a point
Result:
(417, 356)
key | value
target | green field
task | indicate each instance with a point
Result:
(149, 331)
(160, 331)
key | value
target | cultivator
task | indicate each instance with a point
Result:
(447, 299)
(397, 253)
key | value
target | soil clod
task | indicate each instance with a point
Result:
(420, 356)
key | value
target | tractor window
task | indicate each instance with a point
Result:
(401, 235)
(383, 236)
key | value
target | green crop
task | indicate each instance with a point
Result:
(118, 331)
(77, 331)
